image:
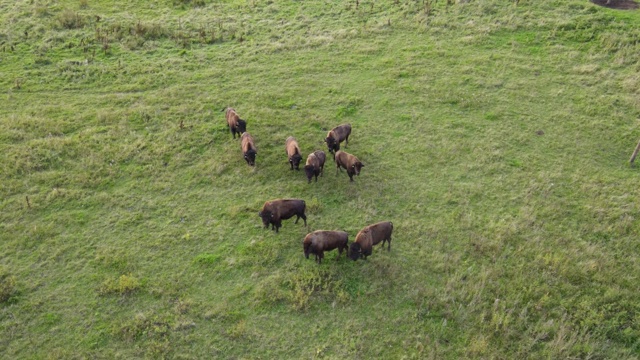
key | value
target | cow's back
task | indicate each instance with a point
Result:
(364, 239)
(381, 231)
(341, 132)
(312, 160)
(247, 142)
(286, 208)
(231, 116)
(290, 144)
(321, 156)
(329, 239)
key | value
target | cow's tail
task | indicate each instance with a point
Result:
(391, 225)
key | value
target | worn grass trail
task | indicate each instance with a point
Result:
(494, 136)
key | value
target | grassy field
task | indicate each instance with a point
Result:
(495, 135)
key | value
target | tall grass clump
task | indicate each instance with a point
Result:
(69, 19)
(123, 285)
(7, 285)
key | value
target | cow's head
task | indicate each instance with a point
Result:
(357, 167)
(354, 251)
(332, 144)
(250, 157)
(309, 171)
(295, 160)
(266, 218)
(241, 127)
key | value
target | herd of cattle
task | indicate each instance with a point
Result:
(274, 211)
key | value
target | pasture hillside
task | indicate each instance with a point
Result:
(495, 136)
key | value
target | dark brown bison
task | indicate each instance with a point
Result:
(293, 152)
(315, 164)
(368, 237)
(236, 125)
(320, 241)
(274, 211)
(349, 162)
(248, 148)
(336, 136)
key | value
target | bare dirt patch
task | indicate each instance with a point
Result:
(617, 4)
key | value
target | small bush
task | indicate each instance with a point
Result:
(311, 282)
(68, 19)
(125, 284)
(7, 285)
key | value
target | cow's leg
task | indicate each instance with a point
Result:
(346, 140)
(304, 217)
(321, 257)
(389, 244)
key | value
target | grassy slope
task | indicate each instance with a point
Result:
(507, 243)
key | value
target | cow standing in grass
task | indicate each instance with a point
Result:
(368, 237)
(236, 125)
(349, 162)
(320, 241)
(336, 135)
(314, 165)
(274, 211)
(293, 152)
(249, 150)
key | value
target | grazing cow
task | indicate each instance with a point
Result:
(274, 211)
(293, 152)
(248, 148)
(368, 237)
(349, 162)
(320, 241)
(315, 164)
(336, 136)
(236, 125)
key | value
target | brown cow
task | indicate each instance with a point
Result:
(349, 162)
(274, 211)
(336, 136)
(320, 241)
(315, 164)
(368, 237)
(248, 148)
(236, 125)
(293, 152)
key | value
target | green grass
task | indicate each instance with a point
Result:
(495, 136)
